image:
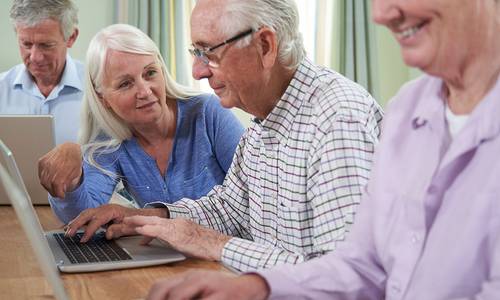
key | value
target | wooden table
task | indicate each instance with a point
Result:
(21, 277)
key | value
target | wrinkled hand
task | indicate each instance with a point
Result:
(60, 170)
(181, 234)
(210, 285)
(94, 218)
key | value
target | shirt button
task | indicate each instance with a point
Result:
(395, 289)
(415, 239)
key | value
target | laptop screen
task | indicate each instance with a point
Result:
(31, 226)
(29, 137)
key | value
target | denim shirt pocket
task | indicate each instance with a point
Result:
(142, 194)
(198, 185)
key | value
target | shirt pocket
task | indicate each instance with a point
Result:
(142, 194)
(294, 227)
(192, 185)
(198, 185)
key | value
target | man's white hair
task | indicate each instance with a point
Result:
(281, 16)
(31, 12)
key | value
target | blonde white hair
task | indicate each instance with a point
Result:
(101, 129)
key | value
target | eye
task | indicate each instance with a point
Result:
(211, 56)
(46, 46)
(27, 45)
(151, 73)
(124, 84)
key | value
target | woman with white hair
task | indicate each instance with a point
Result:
(162, 140)
(429, 224)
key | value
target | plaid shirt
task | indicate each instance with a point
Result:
(296, 177)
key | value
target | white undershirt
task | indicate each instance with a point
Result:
(455, 122)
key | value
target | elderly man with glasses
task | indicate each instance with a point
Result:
(299, 170)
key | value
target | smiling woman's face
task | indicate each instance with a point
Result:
(436, 35)
(134, 88)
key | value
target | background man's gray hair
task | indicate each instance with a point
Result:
(31, 12)
(282, 16)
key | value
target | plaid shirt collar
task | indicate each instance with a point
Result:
(279, 121)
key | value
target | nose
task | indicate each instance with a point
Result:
(200, 69)
(385, 12)
(143, 89)
(36, 55)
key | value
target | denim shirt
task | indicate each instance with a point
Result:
(204, 143)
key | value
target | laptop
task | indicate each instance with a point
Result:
(30, 137)
(54, 251)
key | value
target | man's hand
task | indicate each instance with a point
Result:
(60, 170)
(210, 285)
(94, 218)
(181, 234)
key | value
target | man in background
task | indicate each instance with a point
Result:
(48, 81)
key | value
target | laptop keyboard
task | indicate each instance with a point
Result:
(97, 249)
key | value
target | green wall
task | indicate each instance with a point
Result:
(393, 73)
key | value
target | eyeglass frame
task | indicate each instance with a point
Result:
(202, 53)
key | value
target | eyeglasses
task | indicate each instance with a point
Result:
(202, 53)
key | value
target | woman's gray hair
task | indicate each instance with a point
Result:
(281, 16)
(32, 12)
(101, 128)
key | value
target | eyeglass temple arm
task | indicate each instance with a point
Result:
(234, 38)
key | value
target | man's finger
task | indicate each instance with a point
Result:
(146, 240)
(94, 224)
(117, 230)
(150, 230)
(142, 220)
(78, 222)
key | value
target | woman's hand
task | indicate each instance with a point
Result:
(60, 170)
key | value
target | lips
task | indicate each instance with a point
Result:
(37, 67)
(409, 32)
(218, 88)
(146, 105)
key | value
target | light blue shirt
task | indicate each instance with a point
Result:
(20, 95)
(205, 141)
(429, 224)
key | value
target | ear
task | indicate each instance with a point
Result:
(267, 47)
(72, 38)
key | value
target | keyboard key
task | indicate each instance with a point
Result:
(97, 249)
